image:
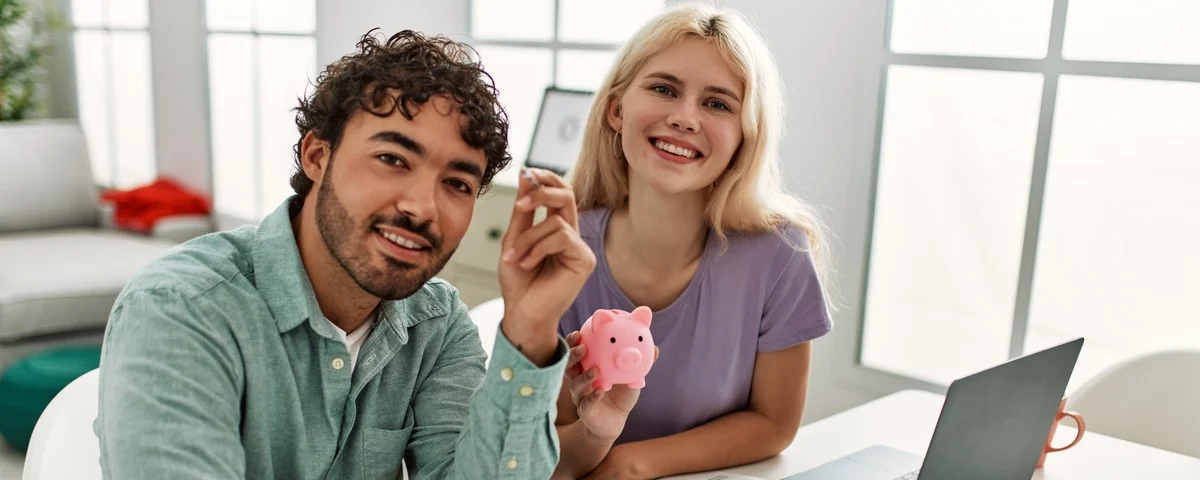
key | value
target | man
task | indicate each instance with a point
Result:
(317, 344)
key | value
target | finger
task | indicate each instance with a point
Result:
(577, 354)
(555, 243)
(574, 338)
(554, 198)
(568, 249)
(520, 246)
(589, 400)
(656, 353)
(583, 385)
(558, 201)
(521, 220)
(550, 179)
(546, 178)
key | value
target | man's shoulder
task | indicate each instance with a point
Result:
(197, 267)
(437, 298)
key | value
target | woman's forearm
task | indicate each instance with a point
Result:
(580, 451)
(735, 439)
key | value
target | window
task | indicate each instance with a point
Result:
(1034, 183)
(112, 77)
(528, 45)
(261, 59)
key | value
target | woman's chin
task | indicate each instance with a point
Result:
(668, 181)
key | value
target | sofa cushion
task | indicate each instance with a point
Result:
(46, 173)
(66, 280)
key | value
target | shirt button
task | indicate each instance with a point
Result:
(512, 463)
(338, 363)
(526, 391)
(506, 374)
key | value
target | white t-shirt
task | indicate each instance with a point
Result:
(355, 339)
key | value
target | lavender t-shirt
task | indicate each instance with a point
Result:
(759, 295)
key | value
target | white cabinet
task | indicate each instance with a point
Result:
(472, 268)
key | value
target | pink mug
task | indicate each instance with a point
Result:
(1062, 413)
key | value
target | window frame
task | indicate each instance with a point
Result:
(554, 44)
(850, 366)
(107, 29)
(223, 218)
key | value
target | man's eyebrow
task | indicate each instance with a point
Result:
(467, 167)
(399, 139)
(714, 89)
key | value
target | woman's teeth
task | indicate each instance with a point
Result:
(667, 147)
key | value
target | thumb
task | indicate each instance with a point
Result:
(521, 220)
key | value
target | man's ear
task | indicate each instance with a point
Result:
(613, 113)
(314, 156)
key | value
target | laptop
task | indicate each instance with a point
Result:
(993, 426)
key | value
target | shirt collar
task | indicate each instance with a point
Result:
(284, 284)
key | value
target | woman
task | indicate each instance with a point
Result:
(682, 204)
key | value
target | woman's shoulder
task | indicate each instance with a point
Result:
(592, 221)
(778, 243)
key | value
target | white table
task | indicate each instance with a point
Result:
(905, 421)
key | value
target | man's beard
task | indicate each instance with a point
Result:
(399, 279)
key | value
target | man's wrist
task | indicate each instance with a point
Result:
(536, 344)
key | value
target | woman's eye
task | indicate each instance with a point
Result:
(718, 105)
(661, 89)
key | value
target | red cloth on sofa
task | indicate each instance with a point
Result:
(140, 208)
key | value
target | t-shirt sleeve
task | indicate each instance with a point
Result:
(570, 320)
(795, 310)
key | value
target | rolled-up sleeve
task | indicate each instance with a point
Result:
(506, 430)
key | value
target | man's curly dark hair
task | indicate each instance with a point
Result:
(419, 67)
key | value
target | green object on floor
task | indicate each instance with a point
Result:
(27, 387)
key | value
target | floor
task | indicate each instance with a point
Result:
(10, 462)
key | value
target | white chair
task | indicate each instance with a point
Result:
(1152, 400)
(487, 316)
(63, 444)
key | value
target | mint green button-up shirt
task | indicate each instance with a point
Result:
(218, 363)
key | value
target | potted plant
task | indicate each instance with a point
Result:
(23, 45)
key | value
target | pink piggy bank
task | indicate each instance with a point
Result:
(619, 345)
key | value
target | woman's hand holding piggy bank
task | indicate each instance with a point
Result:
(620, 346)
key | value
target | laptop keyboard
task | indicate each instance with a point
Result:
(910, 475)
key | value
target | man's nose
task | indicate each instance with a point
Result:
(419, 202)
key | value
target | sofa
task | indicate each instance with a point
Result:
(62, 263)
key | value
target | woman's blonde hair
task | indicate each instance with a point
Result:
(748, 196)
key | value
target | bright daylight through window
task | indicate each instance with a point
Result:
(1036, 182)
(528, 45)
(261, 58)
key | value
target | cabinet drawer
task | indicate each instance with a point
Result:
(476, 286)
(480, 247)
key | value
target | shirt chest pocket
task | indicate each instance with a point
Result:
(383, 449)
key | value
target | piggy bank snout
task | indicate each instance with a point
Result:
(629, 358)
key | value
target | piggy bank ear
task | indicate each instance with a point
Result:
(641, 315)
(602, 318)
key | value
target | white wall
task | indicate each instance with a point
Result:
(181, 91)
(340, 23)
